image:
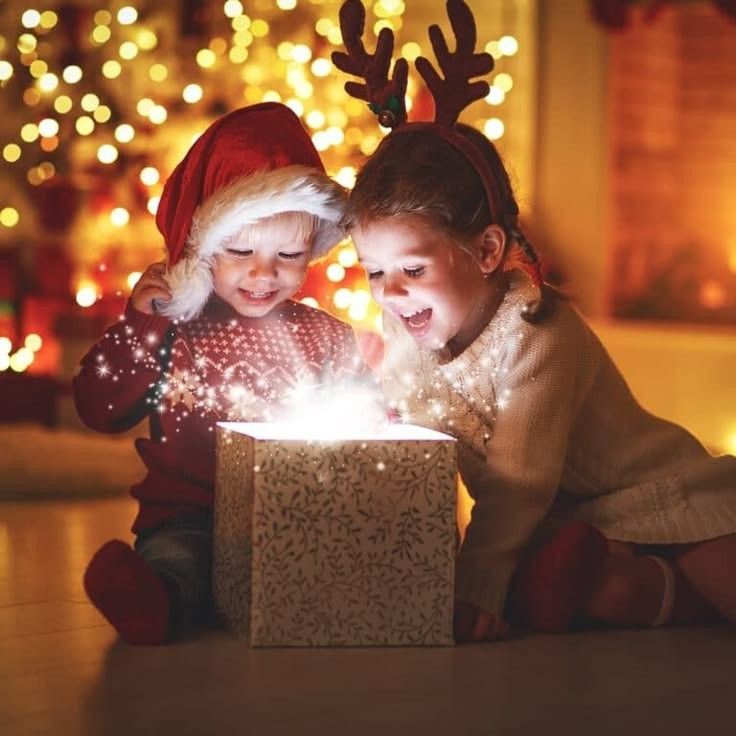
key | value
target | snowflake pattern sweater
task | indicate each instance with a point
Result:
(185, 377)
(548, 431)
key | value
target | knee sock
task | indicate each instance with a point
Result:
(129, 594)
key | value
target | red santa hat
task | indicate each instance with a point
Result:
(254, 162)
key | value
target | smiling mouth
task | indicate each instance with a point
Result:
(417, 322)
(257, 297)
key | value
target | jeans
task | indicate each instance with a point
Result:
(180, 552)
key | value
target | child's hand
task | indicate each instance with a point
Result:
(471, 623)
(151, 285)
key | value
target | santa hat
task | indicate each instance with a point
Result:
(254, 162)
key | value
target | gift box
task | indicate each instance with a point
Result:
(335, 542)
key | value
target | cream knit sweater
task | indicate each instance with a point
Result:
(548, 431)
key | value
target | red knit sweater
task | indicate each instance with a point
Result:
(185, 377)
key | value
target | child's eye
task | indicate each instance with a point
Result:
(414, 273)
(374, 275)
(238, 253)
(291, 256)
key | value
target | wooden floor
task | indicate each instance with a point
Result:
(62, 670)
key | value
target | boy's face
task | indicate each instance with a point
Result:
(425, 279)
(265, 264)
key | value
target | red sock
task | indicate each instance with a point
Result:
(551, 586)
(128, 593)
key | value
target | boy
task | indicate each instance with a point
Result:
(212, 335)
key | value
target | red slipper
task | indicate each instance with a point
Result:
(551, 586)
(128, 593)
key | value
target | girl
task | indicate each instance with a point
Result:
(548, 431)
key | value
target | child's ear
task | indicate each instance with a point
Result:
(491, 246)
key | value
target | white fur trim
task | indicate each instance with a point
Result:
(243, 202)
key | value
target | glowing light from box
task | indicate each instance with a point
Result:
(133, 278)
(86, 295)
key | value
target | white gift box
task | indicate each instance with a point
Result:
(335, 542)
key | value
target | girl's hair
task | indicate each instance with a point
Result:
(415, 172)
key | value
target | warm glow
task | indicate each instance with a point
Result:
(63, 104)
(410, 51)
(38, 68)
(102, 114)
(6, 70)
(144, 106)
(731, 443)
(152, 205)
(26, 43)
(233, 8)
(107, 153)
(494, 128)
(493, 48)
(347, 257)
(259, 28)
(101, 34)
(86, 295)
(48, 128)
(504, 81)
(321, 67)
(29, 132)
(30, 18)
(301, 53)
(158, 115)
(127, 16)
(342, 298)
(33, 342)
(146, 40)
(128, 50)
(286, 4)
(48, 82)
(11, 152)
(495, 95)
(124, 133)
(48, 19)
(85, 125)
(192, 93)
(90, 102)
(346, 177)
(133, 278)
(158, 72)
(9, 217)
(508, 45)
(150, 176)
(335, 272)
(72, 74)
(119, 217)
(315, 119)
(206, 58)
(5, 345)
(111, 69)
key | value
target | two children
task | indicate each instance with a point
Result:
(552, 445)
(211, 336)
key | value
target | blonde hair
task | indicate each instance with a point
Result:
(301, 226)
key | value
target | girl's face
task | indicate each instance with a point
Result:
(437, 288)
(265, 264)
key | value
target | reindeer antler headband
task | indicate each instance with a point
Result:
(453, 93)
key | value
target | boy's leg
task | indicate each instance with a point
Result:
(161, 588)
(181, 555)
(710, 568)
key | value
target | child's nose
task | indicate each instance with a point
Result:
(394, 286)
(261, 268)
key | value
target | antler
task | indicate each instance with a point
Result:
(455, 92)
(384, 96)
